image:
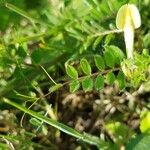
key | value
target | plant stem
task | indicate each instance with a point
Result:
(106, 32)
(48, 75)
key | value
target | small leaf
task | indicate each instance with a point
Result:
(21, 52)
(87, 84)
(36, 56)
(108, 38)
(72, 72)
(88, 42)
(110, 78)
(55, 87)
(121, 80)
(99, 83)
(145, 123)
(97, 41)
(109, 59)
(74, 86)
(85, 66)
(117, 53)
(99, 62)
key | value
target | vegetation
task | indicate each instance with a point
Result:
(65, 79)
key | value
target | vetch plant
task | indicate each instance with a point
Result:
(108, 103)
(128, 18)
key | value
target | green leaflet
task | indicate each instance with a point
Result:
(87, 84)
(71, 71)
(86, 68)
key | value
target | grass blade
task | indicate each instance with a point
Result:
(93, 140)
(19, 11)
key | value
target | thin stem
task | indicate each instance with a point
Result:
(21, 121)
(106, 32)
(48, 75)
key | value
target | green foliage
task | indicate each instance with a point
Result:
(35, 122)
(101, 76)
(109, 59)
(4, 146)
(117, 53)
(140, 142)
(119, 131)
(110, 78)
(38, 38)
(21, 52)
(121, 80)
(99, 62)
(108, 39)
(84, 137)
(145, 123)
(137, 70)
(55, 87)
(113, 55)
(99, 83)
(36, 56)
(87, 84)
(74, 86)
(86, 68)
(71, 71)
